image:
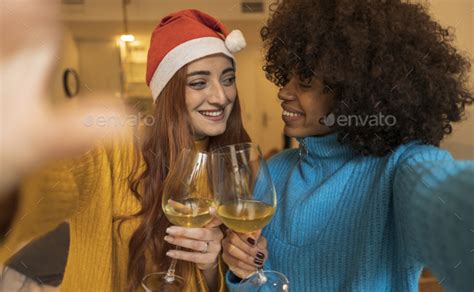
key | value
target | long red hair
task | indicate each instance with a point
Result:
(170, 132)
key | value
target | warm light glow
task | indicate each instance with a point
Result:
(127, 38)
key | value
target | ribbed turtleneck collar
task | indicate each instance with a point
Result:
(317, 147)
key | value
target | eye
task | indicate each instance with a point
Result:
(229, 81)
(305, 86)
(197, 84)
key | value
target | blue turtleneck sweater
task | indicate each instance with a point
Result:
(347, 222)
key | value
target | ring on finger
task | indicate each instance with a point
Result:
(206, 247)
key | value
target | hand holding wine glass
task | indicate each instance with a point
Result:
(187, 200)
(245, 202)
(203, 244)
(243, 252)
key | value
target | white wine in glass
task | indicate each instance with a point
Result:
(245, 202)
(245, 216)
(191, 212)
(186, 202)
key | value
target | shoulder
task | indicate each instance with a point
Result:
(124, 144)
(416, 152)
(121, 153)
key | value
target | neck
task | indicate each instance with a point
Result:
(201, 144)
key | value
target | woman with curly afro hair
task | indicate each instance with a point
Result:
(369, 88)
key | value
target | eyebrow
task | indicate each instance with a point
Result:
(198, 73)
(230, 69)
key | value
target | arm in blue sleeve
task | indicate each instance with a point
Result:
(232, 281)
(434, 215)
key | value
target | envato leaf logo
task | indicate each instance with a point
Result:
(88, 121)
(328, 120)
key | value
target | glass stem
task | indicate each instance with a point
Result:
(170, 274)
(261, 278)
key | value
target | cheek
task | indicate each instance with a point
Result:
(317, 106)
(318, 111)
(228, 110)
(193, 99)
(231, 93)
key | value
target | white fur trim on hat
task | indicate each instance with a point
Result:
(235, 41)
(182, 55)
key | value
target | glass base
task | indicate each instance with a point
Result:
(265, 281)
(163, 282)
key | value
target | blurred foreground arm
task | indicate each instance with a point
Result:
(32, 133)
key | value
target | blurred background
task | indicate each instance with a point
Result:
(93, 47)
(104, 48)
(104, 62)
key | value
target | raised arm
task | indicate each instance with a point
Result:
(50, 196)
(434, 213)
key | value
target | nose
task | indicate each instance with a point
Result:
(287, 92)
(217, 95)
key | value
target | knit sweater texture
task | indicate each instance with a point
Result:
(346, 222)
(88, 192)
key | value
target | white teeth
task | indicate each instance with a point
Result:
(290, 114)
(211, 114)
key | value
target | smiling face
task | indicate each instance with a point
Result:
(304, 105)
(210, 94)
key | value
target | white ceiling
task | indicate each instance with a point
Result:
(111, 30)
(103, 19)
(153, 10)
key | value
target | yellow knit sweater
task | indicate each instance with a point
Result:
(87, 192)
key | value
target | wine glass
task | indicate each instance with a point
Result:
(245, 200)
(186, 202)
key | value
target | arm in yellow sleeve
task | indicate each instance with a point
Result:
(50, 196)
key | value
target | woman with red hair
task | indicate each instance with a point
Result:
(112, 196)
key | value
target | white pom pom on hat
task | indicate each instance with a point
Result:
(235, 41)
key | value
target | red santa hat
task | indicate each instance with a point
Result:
(183, 37)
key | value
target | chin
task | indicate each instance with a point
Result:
(293, 132)
(301, 133)
(214, 132)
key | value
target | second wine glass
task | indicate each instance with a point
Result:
(246, 201)
(186, 202)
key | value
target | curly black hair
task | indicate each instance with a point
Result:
(384, 57)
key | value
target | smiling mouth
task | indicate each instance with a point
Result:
(291, 117)
(213, 113)
(291, 114)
